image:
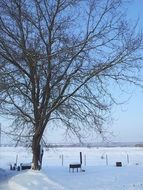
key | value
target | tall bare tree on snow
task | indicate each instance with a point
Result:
(58, 58)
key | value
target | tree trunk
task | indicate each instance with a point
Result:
(36, 153)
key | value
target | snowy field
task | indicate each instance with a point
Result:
(99, 164)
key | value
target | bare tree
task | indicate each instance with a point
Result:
(59, 58)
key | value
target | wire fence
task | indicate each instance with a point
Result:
(134, 156)
(66, 156)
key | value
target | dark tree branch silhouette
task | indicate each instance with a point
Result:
(58, 58)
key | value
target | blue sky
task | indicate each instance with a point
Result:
(128, 123)
(128, 118)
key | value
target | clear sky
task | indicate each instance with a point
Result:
(128, 123)
(128, 118)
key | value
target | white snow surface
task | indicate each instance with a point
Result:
(98, 163)
(33, 180)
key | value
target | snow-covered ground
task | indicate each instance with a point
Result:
(99, 164)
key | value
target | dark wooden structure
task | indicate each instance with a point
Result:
(20, 167)
(25, 166)
(118, 164)
(76, 165)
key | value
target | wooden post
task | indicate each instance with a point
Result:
(16, 160)
(81, 158)
(106, 160)
(62, 156)
(128, 161)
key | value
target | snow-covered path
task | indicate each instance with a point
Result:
(4, 178)
(4, 186)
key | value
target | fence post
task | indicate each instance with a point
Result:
(128, 160)
(84, 159)
(62, 156)
(106, 160)
(16, 160)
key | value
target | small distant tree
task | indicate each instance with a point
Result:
(59, 58)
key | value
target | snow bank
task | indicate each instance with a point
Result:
(33, 180)
(2, 174)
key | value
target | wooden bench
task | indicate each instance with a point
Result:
(76, 165)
